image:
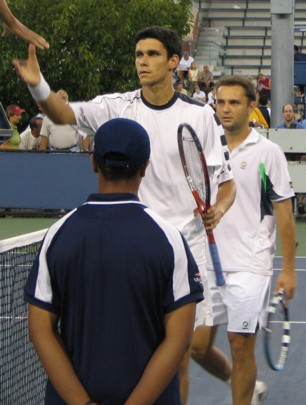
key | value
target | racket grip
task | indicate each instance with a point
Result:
(217, 264)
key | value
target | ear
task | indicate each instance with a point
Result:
(252, 106)
(144, 168)
(173, 62)
(94, 164)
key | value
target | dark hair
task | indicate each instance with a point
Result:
(238, 81)
(296, 48)
(117, 173)
(263, 98)
(34, 122)
(168, 37)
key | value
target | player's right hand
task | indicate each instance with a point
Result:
(28, 69)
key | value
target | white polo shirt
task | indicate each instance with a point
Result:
(246, 234)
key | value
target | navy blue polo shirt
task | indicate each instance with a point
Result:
(111, 269)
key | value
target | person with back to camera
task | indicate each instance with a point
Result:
(109, 266)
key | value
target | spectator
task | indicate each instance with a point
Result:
(289, 118)
(199, 94)
(257, 120)
(180, 88)
(193, 77)
(30, 138)
(184, 66)
(298, 55)
(211, 97)
(13, 113)
(94, 292)
(264, 84)
(16, 27)
(263, 106)
(61, 137)
(206, 79)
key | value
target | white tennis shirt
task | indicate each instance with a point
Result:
(164, 188)
(246, 234)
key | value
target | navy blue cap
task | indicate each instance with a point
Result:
(123, 136)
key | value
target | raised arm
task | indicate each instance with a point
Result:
(164, 363)
(54, 106)
(16, 27)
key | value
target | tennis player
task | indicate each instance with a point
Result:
(160, 110)
(16, 27)
(246, 242)
(122, 284)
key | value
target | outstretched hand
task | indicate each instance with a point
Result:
(25, 33)
(28, 69)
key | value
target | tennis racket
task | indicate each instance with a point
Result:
(196, 172)
(277, 332)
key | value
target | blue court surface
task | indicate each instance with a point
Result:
(287, 387)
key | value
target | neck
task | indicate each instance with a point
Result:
(158, 95)
(119, 186)
(236, 137)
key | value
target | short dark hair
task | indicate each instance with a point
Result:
(263, 98)
(238, 81)
(118, 173)
(34, 122)
(168, 37)
(296, 48)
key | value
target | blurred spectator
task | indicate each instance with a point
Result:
(30, 138)
(184, 66)
(289, 118)
(180, 88)
(298, 55)
(211, 98)
(61, 137)
(199, 94)
(13, 113)
(264, 85)
(193, 77)
(206, 79)
(263, 106)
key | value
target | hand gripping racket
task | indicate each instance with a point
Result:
(196, 172)
(277, 332)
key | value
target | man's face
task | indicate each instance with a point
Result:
(233, 107)
(152, 63)
(288, 114)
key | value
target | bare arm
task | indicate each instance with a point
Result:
(165, 361)
(50, 349)
(54, 106)
(44, 143)
(225, 198)
(15, 26)
(286, 233)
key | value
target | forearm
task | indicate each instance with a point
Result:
(225, 196)
(54, 358)
(165, 361)
(287, 238)
(6, 14)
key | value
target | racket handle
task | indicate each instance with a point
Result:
(217, 264)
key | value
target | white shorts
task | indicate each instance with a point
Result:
(241, 302)
(195, 235)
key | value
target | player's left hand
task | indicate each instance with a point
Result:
(286, 280)
(211, 218)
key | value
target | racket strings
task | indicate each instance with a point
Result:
(194, 165)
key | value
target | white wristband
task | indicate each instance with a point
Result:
(40, 92)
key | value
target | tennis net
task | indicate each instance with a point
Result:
(22, 379)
